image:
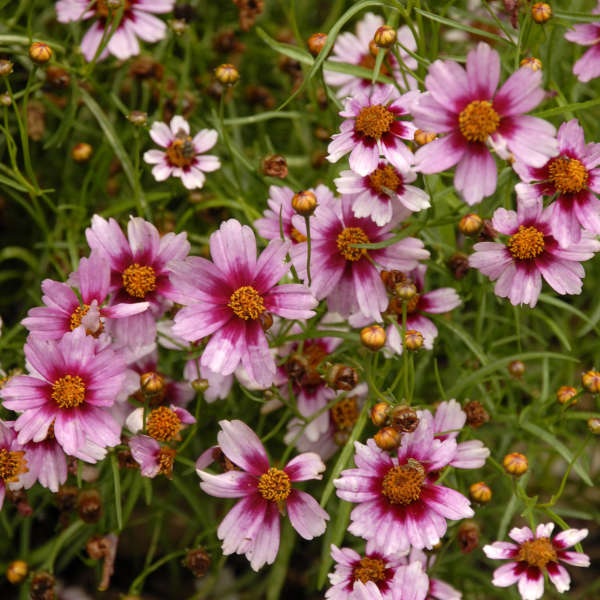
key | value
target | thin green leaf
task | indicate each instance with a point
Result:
(265, 116)
(293, 52)
(565, 306)
(334, 535)
(114, 463)
(566, 108)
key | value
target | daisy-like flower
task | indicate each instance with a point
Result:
(183, 156)
(373, 126)
(153, 458)
(72, 383)
(466, 106)
(280, 216)
(229, 297)
(375, 576)
(252, 526)
(399, 503)
(64, 311)
(587, 34)
(137, 22)
(139, 271)
(163, 423)
(383, 193)
(13, 464)
(530, 253)
(344, 274)
(356, 50)
(534, 555)
(573, 177)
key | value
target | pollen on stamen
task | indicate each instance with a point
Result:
(568, 175)
(139, 280)
(68, 391)
(403, 484)
(478, 121)
(369, 569)
(77, 316)
(274, 485)
(346, 239)
(12, 465)
(385, 180)
(163, 424)
(247, 303)
(537, 553)
(527, 243)
(374, 121)
(166, 458)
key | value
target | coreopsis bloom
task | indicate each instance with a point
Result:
(375, 576)
(278, 220)
(573, 179)
(530, 253)
(136, 22)
(183, 156)
(252, 526)
(139, 271)
(163, 423)
(383, 193)
(356, 50)
(72, 383)
(345, 275)
(228, 297)
(534, 555)
(153, 458)
(399, 503)
(466, 106)
(374, 125)
(587, 34)
(13, 464)
(64, 311)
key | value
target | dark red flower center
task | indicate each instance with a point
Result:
(478, 121)
(538, 553)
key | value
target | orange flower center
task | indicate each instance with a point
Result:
(247, 303)
(527, 243)
(538, 553)
(347, 238)
(12, 464)
(568, 175)
(103, 7)
(385, 180)
(139, 280)
(411, 306)
(297, 236)
(50, 435)
(68, 391)
(374, 121)
(163, 424)
(368, 62)
(181, 152)
(402, 484)
(76, 317)
(166, 457)
(369, 569)
(345, 413)
(478, 121)
(274, 485)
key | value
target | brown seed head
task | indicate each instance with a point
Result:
(17, 571)
(197, 561)
(341, 377)
(81, 152)
(316, 42)
(480, 492)
(385, 37)
(379, 413)
(468, 536)
(58, 77)
(40, 53)
(227, 74)
(42, 587)
(516, 368)
(424, 137)
(275, 165)
(591, 381)
(388, 438)
(404, 419)
(304, 203)
(476, 414)
(373, 337)
(66, 498)
(413, 340)
(541, 12)
(515, 464)
(565, 393)
(470, 224)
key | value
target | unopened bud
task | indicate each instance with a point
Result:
(138, 118)
(470, 224)
(152, 383)
(178, 26)
(594, 425)
(341, 377)
(424, 137)
(275, 165)
(373, 49)
(379, 413)
(90, 506)
(5, 99)
(304, 203)
(515, 463)
(535, 64)
(6, 67)
(266, 320)
(17, 571)
(468, 536)
(404, 419)
(516, 368)
(413, 340)
(373, 337)
(541, 12)
(81, 152)
(316, 43)
(405, 290)
(40, 53)
(58, 77)
(42, 587)
(476, 414)
(591, 381)
(227, 74)
(388, 438)
(566, 393)
(200, 385)
(480, 492)
(385, 36)
(197, 561)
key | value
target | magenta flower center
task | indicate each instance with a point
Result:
(76, 317)
(478, 121)
(12, 464)
(568, 175)
(163, 424)
(139, 280)
(346, 240)
(527, 243)
(68, 391)
(538, 553)
(246, 303)
(103, 7)
(274, 485)
(385, 180)
(374, 121)
(165, 459)
(403, 484)
(181, 152)
(369, 569)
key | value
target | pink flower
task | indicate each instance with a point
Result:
(252, 526)
(13, 464)
(64, 311)
(228, 297)
(587, 34)
(572, 176)
(530, 253)
(182, 156)
(466, 106)
(383, 193)
(372, 126)
(375, 576)
(355, 50)
(399, 503)
(136, 22)
(345, 275)
(534, 555)
(72, 383)
(153, 458)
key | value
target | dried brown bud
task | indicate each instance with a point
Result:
(178, 26)
(152, 383)
(197, 561)
(515, 463)
(565, 393)
(470, 224)
(184, 11)
(373, 337)
(58, 77)
(388, 438)
(404, 418)
(385, 37)
(379, 413)
(248, 11)
(413, 340)
(227, 74)
(591, 381)
(275, 165)
(468, 536)
(126, 460)
(594, 425)
(424, 137)
(535, 64)
(480, 492)
(42, 587)
(316, 43)
(459, 265)
(145, 67)
(341, 377)
(82, 152)
(541, 12)
(259, 95)
(89, 506)
(222, 460)
(66, 498)
(476, 414)
(391, 279)
(17, 571)
(516, 368)
(40, 53)
(36, 120)
(226, 42)
(6, 67)
(138, 118)
(304, 203)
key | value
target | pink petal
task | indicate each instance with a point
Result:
(483, 72)
(521, 535)
(569, 537)
(242, 447)
(305, 466)
(233, 250)
(520, 93)
(507, 574)
(307, 517)
(440, 154)
(501, 550)
(531, 584)
(476, 174)
(233, 484)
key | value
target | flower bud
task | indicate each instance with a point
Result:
(404, 419)
(341, 377)
(541, 12)
(227, 74)
(476, 414)
(515, 464)
(17, 571)
(373, 337)
(468, 536)
(200, 385)
(6, 67)
(591, 381)
(40, 53)
(470, 224)
(5, 99)
(178, 26)
(516, 368)
(42, 587)
(304, 203)
(424, 137)
(197, 561)
(373, 49)
(413, 340)
(274, 165)
(406, 290)
(316, 42)
(385, 36)
(379, 413)
(90, 506)
(459, 265)
(152, 383)
(566, 393)
(81, 152)
(388, 438)
(535, 64)
(266, 320)
(480, 492)
(138, 118)
(594, 425)
(58, 77)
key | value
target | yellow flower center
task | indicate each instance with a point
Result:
(538, 553)
(345, 413)
(402, 484)
(102, 8)
(527, 243)
(478, 121)
(274, 485)
(568, 175)
(246, 303)
(181, 152)
(385, 179)
(369, 569)
(166, 457)
(297, 236)
(12, 464)
(68, 391)
(374, 121)
(76, 317)
(346, 239)
(139, 280)
(163, 424)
